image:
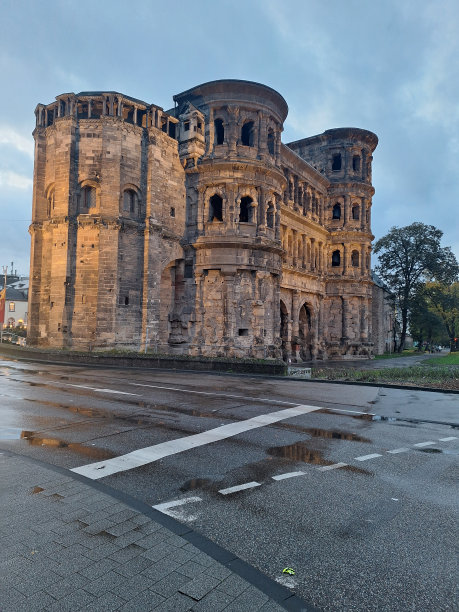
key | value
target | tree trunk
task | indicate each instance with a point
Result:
(404, 328)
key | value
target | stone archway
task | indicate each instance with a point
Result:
(305, 333)
(284, 331)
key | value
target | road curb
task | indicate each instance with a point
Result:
(242, 374)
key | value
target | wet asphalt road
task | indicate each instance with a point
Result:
(378, 533)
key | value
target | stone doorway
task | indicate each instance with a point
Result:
(284, 331)
(305, 333)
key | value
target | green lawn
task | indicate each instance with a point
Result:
(451, 359)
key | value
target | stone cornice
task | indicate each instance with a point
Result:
(288, 213)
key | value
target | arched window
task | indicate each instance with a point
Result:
(219, 131)
(245, 210)
(271, 141)
(270, 215)
(356, 163)
(336, 259)
(247, 134)
(88, 197)
(336, 162)
(356, 213)
(336, 211)
(355, 259)
(130, 202)
(215, 208)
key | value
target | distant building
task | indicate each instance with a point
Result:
(16, 308)
(196, 231)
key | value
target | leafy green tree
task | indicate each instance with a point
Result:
(443, 302)
(424, 324)
(408, 257)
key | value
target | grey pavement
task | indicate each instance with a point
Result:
(67, 543)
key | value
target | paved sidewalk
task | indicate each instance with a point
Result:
(70, 544)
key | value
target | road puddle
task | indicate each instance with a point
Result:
(329, 434)
(15, 433)
(300, 452)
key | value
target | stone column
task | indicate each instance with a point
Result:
(277, 216)
(347, 206)
(134, 118)
(233, 114)
(209, 133)
(343, 318)
(345, 256)
(295, 308)
(362, 213)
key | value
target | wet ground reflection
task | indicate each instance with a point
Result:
(300, 452)
(15, 433)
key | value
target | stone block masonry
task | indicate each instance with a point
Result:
(196, 231)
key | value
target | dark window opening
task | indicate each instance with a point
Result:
(355, 213)
(355, 259)
(216, 208)
(336, 211)
(336, 163)
(130, 201)
(336, 258)
(270, 216)
(356, 163)
(126, 300)
(188, 272)
(82, 111)
(199, 126)
(245, 210)
(172, 212)
(243, 332)
(172, 130)
(186, 125)
(247, 134)
(271, 142)
(88, 197)
(219, 131)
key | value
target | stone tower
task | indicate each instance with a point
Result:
(196, 231)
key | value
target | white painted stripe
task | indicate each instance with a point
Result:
(395, 451)
(242, 487)
(100, 390)
(350, 411)
(448, 439)
(366, 457)
(150, 454)
(287, 475)
(177, 502)
(334, 466)
(424, 443)
(210, 393)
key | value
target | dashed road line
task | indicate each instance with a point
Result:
(167, 507)
(287, 475)
(334, 466)
(367, 457)
(242, 487)
(174, 504)
(116, 392)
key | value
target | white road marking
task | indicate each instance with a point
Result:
(448, 439)
(164, 507)
(334, 466)
(395, 451)
(150, 454)
(287, 475)
(100, 390)
(242, 487)
(366, 457)
(424, 443)
(228, 395)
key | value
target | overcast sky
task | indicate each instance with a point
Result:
(390, 66)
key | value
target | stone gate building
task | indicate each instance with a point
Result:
(196, 231)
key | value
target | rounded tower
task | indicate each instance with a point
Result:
(229, 144)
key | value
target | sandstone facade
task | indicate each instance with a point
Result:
(196, 231)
